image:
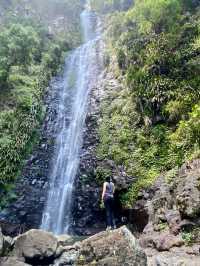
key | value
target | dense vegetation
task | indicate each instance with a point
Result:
(30, 54)
(153, 123)
(110, 6)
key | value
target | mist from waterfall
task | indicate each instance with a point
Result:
(79, 76)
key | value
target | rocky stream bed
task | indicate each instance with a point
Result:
(108, 248)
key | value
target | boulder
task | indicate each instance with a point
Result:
(69, 256)
(12, 261)
(149, 228)
(162, 241)
(147, 241)
(166, 241)
(188, 194)
(175, 204)
(171, 259)
(36, 246)
(112, 248)
(64, 240)
(173, 219)
(117, 247)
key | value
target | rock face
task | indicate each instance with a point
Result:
(111, 248)
(174, 204)
(87, 216)
(188, 190)
(87, 192)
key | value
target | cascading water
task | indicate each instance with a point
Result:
(79, 76)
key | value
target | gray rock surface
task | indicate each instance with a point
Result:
(174, 204)
(69, 256)
(87, 215)
(162, 241)
(111, 248)
(170, 259)
(64, 240)
(188, 190)
(12, 261)
(36, 245)
(166, 241)
(118, 247)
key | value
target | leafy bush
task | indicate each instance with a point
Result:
(156, 15)
(186, 138)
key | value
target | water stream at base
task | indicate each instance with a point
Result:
(81, 70)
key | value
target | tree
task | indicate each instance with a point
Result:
(18, 45)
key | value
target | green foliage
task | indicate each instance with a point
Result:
(18, 44)
(187, 136)
(29, 57)
(191, 236)
(7, 194)
(162, 226)
(17, 129)
(144, 181)
(171, 175)
(60, 16)
(155, 15)
(152, 124)
(102, 173)
(188, 238)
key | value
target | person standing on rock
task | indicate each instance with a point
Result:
(108, 200)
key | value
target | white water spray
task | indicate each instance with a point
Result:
(80, 75)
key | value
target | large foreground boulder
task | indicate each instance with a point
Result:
(114, 248)
(109, 248)
(36, 246)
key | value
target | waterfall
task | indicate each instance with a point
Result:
(79, 76)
